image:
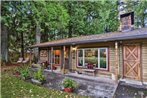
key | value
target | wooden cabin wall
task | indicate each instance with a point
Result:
(144, 61)
(111, 46)
(111, 54)
(120, 60)
(43, 54)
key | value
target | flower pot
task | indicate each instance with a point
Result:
(69, 90)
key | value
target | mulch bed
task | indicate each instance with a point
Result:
(9, 66)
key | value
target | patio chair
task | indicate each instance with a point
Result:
(26, 60)
(20, 60)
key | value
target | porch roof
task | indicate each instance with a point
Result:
(112, 36)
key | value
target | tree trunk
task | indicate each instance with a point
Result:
(70, 27)
(22, 46)
(38, 36)
(4, 44)
(70, 31)
(142, 20)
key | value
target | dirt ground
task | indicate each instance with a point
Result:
(125, 91)
(9, 66)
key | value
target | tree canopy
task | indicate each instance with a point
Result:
(54, 20)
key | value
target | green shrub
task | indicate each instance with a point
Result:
(25, 72)
(38, 75)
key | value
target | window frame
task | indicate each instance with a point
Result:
(98, 58)
(107, 60)
(78, 56)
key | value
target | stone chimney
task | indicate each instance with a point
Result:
(126, 21)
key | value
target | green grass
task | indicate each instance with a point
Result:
(13, 87)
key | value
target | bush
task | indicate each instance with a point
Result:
(25, 72)
(38, 75)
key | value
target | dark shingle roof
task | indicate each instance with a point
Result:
(104, 37)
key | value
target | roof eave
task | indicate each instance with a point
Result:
(96, 40)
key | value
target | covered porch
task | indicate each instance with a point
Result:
(65, 60)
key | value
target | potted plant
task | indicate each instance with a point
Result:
(38, 77)
(69, 85)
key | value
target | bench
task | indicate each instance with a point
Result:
(89, 71)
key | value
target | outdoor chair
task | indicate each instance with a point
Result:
(26, 60)
(20, 60)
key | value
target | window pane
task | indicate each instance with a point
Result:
(103, 58)
(91, 58)
(80, 57)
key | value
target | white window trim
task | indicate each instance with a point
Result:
(99, 59)
(83, 50)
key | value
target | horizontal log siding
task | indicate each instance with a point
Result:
(43, 58)
(112, 59)
(144, 61)
(121, 60)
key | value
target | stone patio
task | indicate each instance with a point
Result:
(95, 87)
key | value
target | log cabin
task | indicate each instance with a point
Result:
(118, 55)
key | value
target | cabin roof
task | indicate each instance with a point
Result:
(104, 37)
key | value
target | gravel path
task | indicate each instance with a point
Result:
(126, 91)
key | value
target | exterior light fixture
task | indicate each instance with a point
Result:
(74, 48)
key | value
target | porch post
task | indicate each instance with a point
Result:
(63, 71)
(71, 58)
(52, 59)
(116, 61)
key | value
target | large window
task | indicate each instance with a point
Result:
(93, 58)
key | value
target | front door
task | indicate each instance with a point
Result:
(131, 61)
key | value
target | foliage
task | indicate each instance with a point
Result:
(69, 83)
(25, 72)
(58, 20)
(38, 75)
(12, 87)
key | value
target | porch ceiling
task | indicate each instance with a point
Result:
(112, 36)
